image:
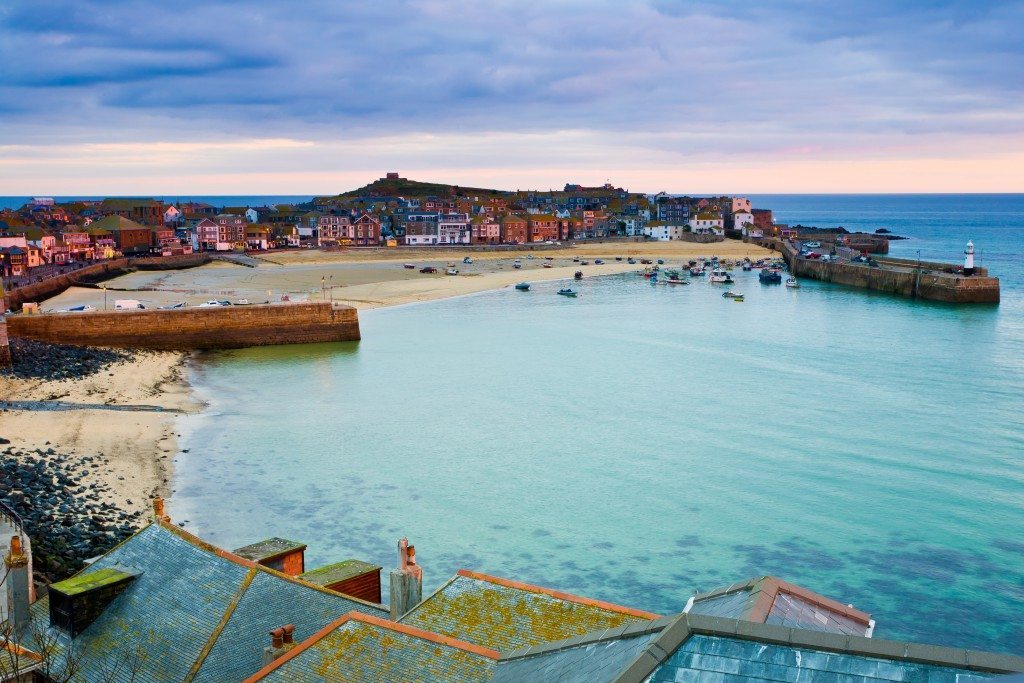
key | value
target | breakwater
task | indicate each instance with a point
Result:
(97, 272)
(215, 327)
(923, 280)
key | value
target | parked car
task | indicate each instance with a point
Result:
(128, 305)
(428, 269)
(814, 254)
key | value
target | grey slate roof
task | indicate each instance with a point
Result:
(360, 650)
(194, 609)
(702, 648)
(586, 659)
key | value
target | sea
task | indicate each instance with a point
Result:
(641, 443)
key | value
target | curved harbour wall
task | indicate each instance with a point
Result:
(216, 327)
(97, 272)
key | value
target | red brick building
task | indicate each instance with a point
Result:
(514, 229)
(129, 236)
(544, 227)
(367, 231)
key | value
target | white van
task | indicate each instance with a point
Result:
(128, 305)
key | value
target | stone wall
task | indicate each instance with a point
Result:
(5, 349)
(52, 286)
(216, 327)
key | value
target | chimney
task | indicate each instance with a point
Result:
(16, 563)
(158, 510)
(406, 581)
(281, 641)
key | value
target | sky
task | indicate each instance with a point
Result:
(116, 97)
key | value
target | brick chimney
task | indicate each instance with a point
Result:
(406, 581)
(158, 510)
(281, 641)
(18, 585)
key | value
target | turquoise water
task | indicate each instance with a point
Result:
(642, 442)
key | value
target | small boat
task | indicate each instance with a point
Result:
(567, 292)
(676, 281)
(630, 260)
(661, 262)
(242, 302)
(452, 271)
(791, 282)
(467, 260)
(731, 295)
(646, 261)
(523, 286)
(578, 275)
(584, 263)
(428, 269)
(409, 266)
(84, 308)
(747, 267)
(180, 304)
(720, 276)
(738, 299)
(546, 265)
(598, 262)
(618, 258)
(529, 256)
(517, 266)
(770, 276)
(575, 259)
(696, 272)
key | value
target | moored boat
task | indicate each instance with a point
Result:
(523, 286)
(770, 276)
(791, 282)
(451, 271)
(696, 272)
(409, 266)
(720, 276)
(578, 275)
(567, 292)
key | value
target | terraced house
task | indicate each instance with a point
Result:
(166, 606)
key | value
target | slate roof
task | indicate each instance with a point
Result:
(339, 571)
(116, 223)
(586, 659)
(507, 615)
(361, 648)
(194, 612)
(769, 600)
(702, 648)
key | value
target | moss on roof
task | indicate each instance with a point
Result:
(339, 571)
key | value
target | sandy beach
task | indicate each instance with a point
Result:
(373, 278)
(138, 444)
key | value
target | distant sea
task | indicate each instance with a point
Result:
(642, 442)
(216, 200)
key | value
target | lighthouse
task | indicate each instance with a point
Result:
(969, 259)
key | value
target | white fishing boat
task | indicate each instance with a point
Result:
(791, 282)
(720, 276)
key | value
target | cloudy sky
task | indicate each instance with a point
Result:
(316, 96)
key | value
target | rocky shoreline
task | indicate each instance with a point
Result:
(62, 502)
(88, 438)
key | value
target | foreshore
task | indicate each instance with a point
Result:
(123, 414)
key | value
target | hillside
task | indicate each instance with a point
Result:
(403, 187)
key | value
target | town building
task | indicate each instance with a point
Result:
(130, 238)
(514, 229)
(707, 223)
(453, 228)
(663, 231)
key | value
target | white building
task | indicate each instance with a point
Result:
(707, 224)
(741, 220)
(172, 214)
(252, 215)
(664, 232)
(453, 228)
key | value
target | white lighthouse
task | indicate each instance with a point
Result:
(969, 259)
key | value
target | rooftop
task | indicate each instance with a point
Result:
(268, 549)
(339, 571)
(505, 615)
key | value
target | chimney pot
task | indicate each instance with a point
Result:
(277, 638)
(288, 630)
(15, 545)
